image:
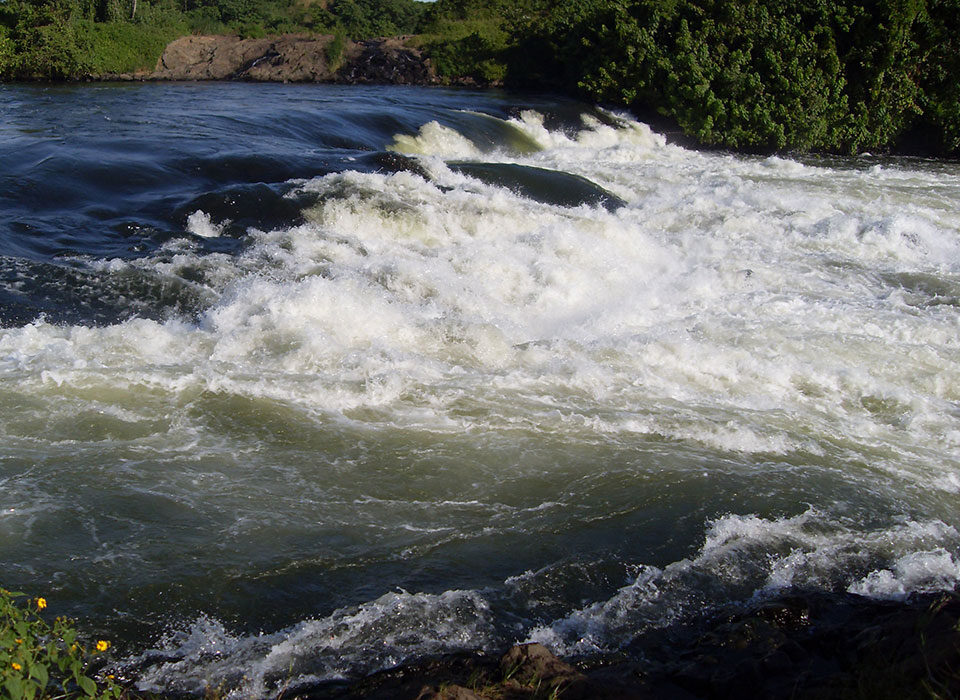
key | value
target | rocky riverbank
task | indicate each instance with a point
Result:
(291, 58)
(801, 646)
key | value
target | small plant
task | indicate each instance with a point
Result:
(39, 660)
(335, 50)
(942, 682)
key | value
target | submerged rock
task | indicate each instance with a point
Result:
(541, 184)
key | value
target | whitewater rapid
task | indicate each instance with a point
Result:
(436, 413)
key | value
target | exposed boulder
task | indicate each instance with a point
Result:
(292, 58)
(534, 664)
(448, 692)
(385, 62)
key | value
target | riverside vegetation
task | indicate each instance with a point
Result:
(764, 75)
(43, 660)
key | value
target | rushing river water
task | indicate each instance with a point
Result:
(281, 404)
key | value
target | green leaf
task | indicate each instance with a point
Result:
(87, 686)
(14, 687)
(39, 671)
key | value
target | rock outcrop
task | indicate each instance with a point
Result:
(816, 646)
(292, 58)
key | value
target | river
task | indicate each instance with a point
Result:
(300, 382)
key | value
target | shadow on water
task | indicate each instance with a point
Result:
(74, 295)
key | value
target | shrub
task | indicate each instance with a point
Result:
(476, 56)
(205, 20)
(6, 50)
(757, 74)
(334, 50)
(251, 30)
(124, 47)
(940, 34)
(42, 660)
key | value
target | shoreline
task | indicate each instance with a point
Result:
(389, 60)
(809, 645)
(289, 58)
(803, 645)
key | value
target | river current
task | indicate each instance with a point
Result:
(298, 383)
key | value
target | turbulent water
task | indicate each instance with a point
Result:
(302, 382)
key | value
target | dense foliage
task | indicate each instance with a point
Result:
(846, 76)
(754, 74)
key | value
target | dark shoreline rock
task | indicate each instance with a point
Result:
(804, 646)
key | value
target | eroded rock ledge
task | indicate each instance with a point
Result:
(291, 58)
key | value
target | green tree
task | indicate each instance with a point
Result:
(756, 74)
(939, 35)
(881, 62)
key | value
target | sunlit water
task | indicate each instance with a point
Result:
(280, 405)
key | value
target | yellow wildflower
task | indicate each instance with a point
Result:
(103, 645)
(16, 666)
(18, 640)
(41, 603)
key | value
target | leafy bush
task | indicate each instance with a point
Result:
(473, 38)
(939, 30)
(756, 74)
(365, 19)
(334, 51)
(881, 64)
(123, 47)
(474, 56)
(43, 660)
(205, 20)
(52, 51)
(7, 53)
(251, 30)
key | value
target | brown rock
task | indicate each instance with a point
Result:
(534, 664)
(449, 692)
(291, 58)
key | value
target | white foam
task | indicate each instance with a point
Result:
(593, 628)
(746, 557)
(200, 224)
(436, 139)
(349, 642)
(937, 570)
(741, 288)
